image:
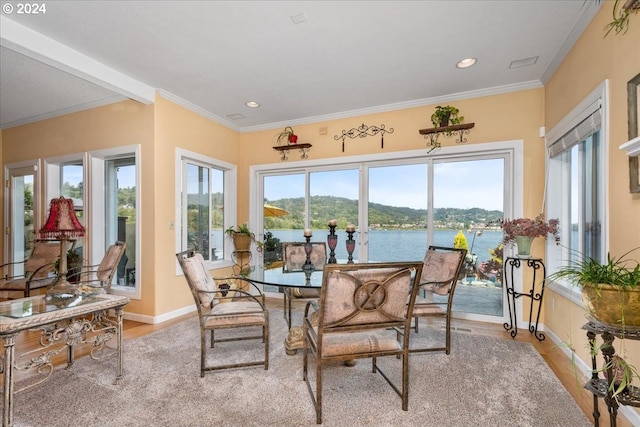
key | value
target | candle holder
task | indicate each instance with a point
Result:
(332, 241)
(308, 267)
(351, 246)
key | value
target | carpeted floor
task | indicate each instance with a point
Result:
(484, 382)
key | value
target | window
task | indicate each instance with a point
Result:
(577, 150)
(204, 208)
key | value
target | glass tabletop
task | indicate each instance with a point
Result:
(276, 277)
(25, 307)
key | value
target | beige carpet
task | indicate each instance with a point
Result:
(484, 382)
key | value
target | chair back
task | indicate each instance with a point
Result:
(294, 256)
(367, 296)
(44, 253)
(203, 287)
(442, 266)
(109, 264)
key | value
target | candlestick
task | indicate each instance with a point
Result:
(308, 232)
(351, 228)
(332, 240)
(308, 266)
(351, 244)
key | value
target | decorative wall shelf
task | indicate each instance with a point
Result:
(284, 150)
(432, 134)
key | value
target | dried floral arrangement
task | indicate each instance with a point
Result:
(527, 227)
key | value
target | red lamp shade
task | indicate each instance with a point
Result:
(62, 223)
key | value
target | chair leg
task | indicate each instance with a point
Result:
(318, 393)
(203, 351)
(405, 381)
(415, 325)
(448, 335)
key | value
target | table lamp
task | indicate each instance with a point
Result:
(62, 225)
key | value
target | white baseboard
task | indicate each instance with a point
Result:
(159, 319)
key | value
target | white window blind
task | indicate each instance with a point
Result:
(584, 127)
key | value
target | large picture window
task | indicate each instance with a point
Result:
(575, 186)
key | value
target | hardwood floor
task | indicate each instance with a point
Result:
(554, 357)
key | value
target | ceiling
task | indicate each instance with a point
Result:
(344, 59)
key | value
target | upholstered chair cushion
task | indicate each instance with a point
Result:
(109, 263)
(237, 312)
(343, 308)
(439, 271)
(43, 253)
(342, 343)
(197, 272)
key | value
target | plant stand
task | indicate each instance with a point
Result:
(601, 387)
(510, 266)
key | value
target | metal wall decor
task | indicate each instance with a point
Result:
(363, 131)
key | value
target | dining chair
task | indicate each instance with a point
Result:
(361, 311)
(440, 273)
(100, 276)
(294, 258)
(242, 306)
(39, 269)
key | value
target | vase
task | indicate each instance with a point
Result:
(524, 246)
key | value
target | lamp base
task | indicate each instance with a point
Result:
(63, 289)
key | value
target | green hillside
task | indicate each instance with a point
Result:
(324, 208)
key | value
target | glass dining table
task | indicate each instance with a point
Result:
(275, 279)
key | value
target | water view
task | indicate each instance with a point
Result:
(400, 245)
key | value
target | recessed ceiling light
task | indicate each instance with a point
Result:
(466, 62)
(252, 104)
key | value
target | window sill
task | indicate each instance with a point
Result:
(568, 291)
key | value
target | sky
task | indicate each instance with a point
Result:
(464, 185)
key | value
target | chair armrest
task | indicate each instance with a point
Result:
(33, 275)
(3, 266)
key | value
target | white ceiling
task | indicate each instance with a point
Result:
(347, 58)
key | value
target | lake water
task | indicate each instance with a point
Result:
(472, 296)
(400, 245)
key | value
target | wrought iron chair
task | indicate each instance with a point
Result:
(224, 309)
(39, 269)
(294, 258)
(100, 275)
(361, 313)
(442, 266)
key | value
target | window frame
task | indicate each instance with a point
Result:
(230, 186)
(556, 200)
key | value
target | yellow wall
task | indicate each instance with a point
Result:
(177, 127)
(593, 59)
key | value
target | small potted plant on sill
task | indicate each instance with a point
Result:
(522, 231)
(443, 116)
(287, 136)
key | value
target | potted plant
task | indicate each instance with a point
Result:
(445, 115)
(610, 290)
(522, 231)
(611, 295)
(287, 136)
(620, 23)
(242, 237)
